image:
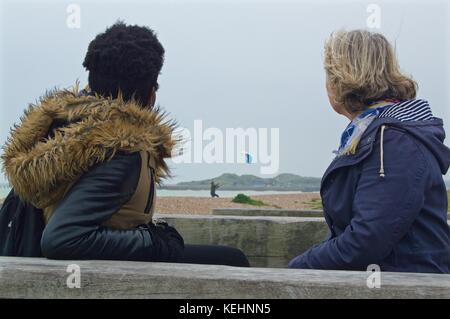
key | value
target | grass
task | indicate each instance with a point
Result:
(315, 204)
(244, 199)
(448, 196)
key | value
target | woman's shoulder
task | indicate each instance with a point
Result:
(395, 151)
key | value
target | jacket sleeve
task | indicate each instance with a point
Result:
(384, 208)
(74, 231)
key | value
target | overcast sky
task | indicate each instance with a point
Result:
(228, 63)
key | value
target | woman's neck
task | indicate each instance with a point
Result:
(381, 103)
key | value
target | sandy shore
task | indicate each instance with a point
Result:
(204, 205)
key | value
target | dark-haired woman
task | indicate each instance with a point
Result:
(87, 162)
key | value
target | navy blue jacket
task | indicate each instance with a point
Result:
(398, 221)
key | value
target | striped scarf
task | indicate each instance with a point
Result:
(412, 110)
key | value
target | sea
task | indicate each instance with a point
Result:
(206, 193)
(4, 190)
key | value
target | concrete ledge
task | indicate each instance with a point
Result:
(272, 212)
(267, 212)
(267, 241)
(42, 278)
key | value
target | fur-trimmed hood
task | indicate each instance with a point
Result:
(40, 166)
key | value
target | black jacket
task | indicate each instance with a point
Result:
(73, 231)
(78, 160)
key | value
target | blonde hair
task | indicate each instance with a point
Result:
(362, 68)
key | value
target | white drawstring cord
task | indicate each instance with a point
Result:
(382, 152)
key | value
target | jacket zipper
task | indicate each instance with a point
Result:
(150, 196)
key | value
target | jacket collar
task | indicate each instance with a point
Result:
(365, 146)
(363, 150)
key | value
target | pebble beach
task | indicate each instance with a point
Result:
(205, 205)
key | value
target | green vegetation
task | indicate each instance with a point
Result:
(448, 196)
(244, 199)
(315, 204)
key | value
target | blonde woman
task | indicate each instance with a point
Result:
(383, 195)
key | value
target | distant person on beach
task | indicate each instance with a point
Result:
(87, 162)
(384, 196)
(214, 186)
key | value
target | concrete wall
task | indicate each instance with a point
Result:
(267, 212)
(42, 278)
(271, 212)
(267, 241)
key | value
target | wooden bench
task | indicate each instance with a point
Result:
(43, 278)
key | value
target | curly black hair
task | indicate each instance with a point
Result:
(125, 58)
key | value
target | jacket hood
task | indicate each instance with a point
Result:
(415, 117)
(39, 160)
(432, 135)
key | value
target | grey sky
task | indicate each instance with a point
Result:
(228, 63)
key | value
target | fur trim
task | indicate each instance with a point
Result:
(40, 168)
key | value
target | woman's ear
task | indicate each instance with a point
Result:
(152, 97)
(337, 107)
(331, 97)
